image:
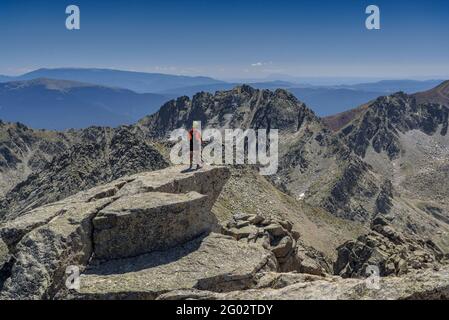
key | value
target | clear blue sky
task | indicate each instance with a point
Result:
(229, 38)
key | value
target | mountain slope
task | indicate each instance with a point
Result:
(439, 94)
(59, 104)
(381, 124)
(24, 151)
(406, 141)
(340, 120)
(89, 157)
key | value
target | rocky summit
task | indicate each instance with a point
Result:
(361, 191)
(168, 209)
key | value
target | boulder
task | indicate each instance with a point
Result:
(207, 181)
(284, 247)
(255, 219)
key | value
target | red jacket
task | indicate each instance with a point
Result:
(194, 133)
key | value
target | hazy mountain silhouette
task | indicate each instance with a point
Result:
(136, 81)
(391, 86)
(59, 104)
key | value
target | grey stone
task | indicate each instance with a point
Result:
(244, 232)
(255, 219)
(241, 216)
(275, 230)
(286, 225)
(145, 222)
(393, 253)
(283, 248)
(242, 224)
(214, 263)
(43, 254)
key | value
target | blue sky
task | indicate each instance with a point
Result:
(230, 38)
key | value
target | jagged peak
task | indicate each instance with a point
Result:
(243, 106)
(245, 88)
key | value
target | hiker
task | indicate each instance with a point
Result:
(195, 146)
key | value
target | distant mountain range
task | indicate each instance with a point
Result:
(136, 81)
(77, 98)
(60, 104)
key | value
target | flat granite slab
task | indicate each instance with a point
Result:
(215, 262)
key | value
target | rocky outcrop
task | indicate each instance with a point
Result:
(42, 243)
(387, 249)
(419, 285)
(278, 237)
